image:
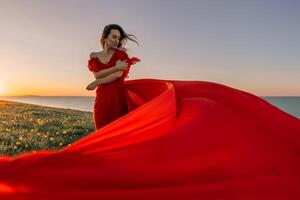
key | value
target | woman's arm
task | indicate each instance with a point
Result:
(106, 72)
(107, 79)
(120, 65)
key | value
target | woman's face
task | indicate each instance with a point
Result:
(113, 39)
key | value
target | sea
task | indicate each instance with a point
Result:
(289, 104)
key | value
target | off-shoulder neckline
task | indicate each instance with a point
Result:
(97, 58)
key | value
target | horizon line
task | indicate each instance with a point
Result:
(94, 96)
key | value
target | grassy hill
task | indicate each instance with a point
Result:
(27, 127)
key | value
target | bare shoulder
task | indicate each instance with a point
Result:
(123, 52)
(122, 49)
(94, 54)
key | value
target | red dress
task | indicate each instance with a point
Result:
(185, 140)
(110, 102)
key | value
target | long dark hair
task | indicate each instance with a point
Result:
(123, 35)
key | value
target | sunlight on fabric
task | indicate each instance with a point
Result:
(6, 188)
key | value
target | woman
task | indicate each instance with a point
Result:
(110, 67)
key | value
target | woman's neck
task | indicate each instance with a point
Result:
(108, 51)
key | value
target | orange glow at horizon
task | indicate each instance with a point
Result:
(19, 90)
(2, 89)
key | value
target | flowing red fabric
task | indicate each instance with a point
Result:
(180, 140)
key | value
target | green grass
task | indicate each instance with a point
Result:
(27, 127)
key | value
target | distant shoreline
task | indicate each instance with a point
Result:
(80, 103)
(289, 104)
(93, 96)
(42, 105)
(41, 96)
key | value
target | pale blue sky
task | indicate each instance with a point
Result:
(249, 45)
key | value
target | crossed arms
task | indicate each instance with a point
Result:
(108, 75)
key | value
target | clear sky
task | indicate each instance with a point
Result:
(250, 45)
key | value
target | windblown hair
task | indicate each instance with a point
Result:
(123, 36)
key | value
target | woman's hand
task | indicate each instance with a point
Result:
(92, 86)
(121, 65)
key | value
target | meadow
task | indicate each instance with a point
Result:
(28, 127)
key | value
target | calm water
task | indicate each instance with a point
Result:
(85, 103)
(290, 105)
